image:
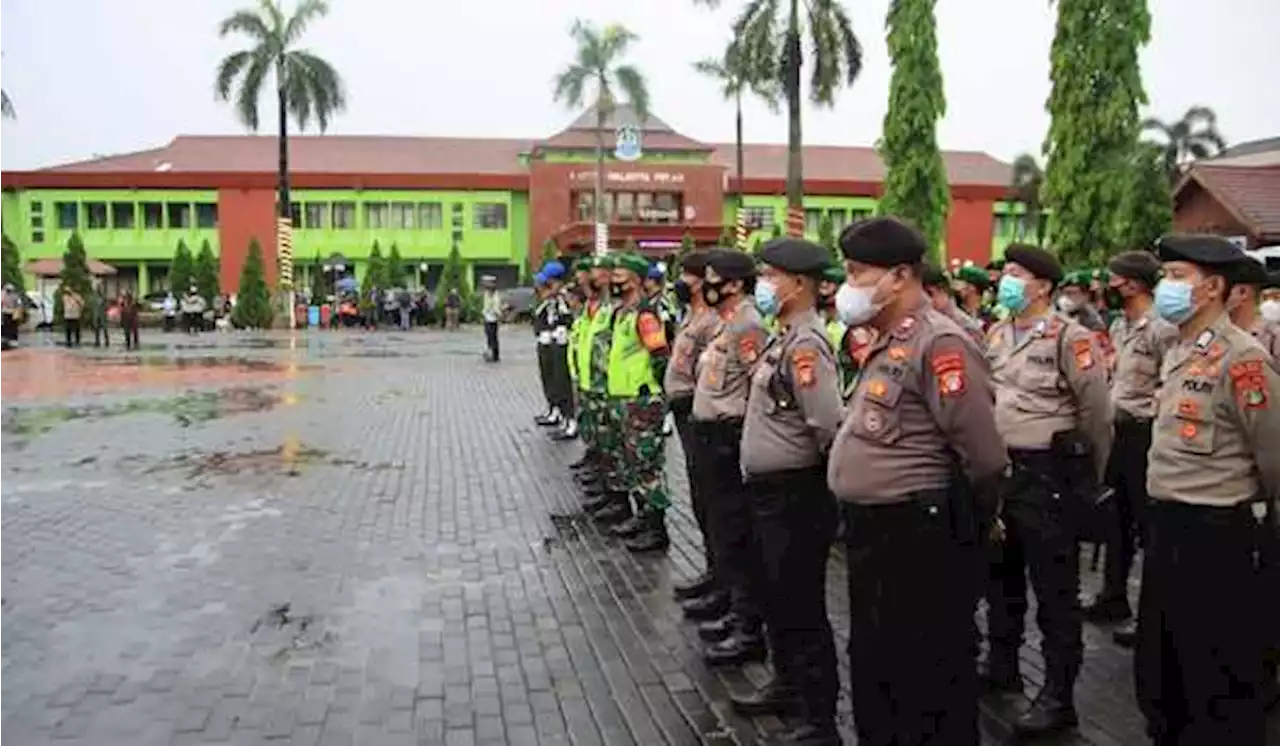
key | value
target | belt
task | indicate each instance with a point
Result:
(1124, 418)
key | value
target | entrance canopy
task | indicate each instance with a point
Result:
(53, 268)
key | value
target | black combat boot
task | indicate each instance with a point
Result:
(999, 673)
(1126, 635)
(616, 513)
(775, 698)
(1053, 710)
(806, 733)
(653, 537)
(630, 527)
(718, 629)
(711, 606)
(699, 586)
(744, 645)
(546, 418)
(599, 502)
(1106, 609)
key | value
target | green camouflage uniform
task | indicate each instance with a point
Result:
(642, 445)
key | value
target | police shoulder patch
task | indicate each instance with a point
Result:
(1250, 384)
(749, 345)
(804, 361)
(949, 368)
(1082, 351)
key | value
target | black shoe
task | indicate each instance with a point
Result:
(616, 513)
(593, 489)
(1048, 714)
(736, 649)
(806, 734)
(1126, 635)
(1107, 610)
(699, 586)
(582, 463)
(545, 419)
(718, 629)
(564, 434)
(999, 675)
(711, 606)
(652, 539)
(775, 698)
(633, 526)
(599, 502)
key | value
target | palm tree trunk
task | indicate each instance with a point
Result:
(795, 153)
(599, 192)
(740, 156)
(286, 207)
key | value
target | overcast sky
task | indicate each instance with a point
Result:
(95, 77)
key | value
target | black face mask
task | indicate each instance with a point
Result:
(683, 292)
(827, 301)
(1113, 299)
(713, 292)
(618, 289)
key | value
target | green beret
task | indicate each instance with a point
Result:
(834, 274)
(1080, 277)
(976, 276)
(632, 263)
(603, 261)
(1101, 275)
(583, 264)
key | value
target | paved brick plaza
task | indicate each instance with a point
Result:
(346, 540)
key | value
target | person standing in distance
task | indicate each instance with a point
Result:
(1142, 339)
(793, 412)
(698, 325)
(917, 455)
(1207, 610)
(1243, 306)
(719, 405)
(943, 298)
(491, 310)
(1054, 413)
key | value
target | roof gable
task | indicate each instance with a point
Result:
(1251, 194)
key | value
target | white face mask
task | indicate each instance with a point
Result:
(1270, 310)
(1067, 304)
(855, 305)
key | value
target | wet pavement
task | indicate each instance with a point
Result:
(345, 539)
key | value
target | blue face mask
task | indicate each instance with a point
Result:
(1012, 293)
(767, 298)
(1173, 301)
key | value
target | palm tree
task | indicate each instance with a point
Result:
(597, 62)
(771, 49)
(1193, 136)
(1027, 181)
(6, 106)
(733, 77)
(306, 85)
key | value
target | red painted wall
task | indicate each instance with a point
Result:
(969, 226)
(245, 214)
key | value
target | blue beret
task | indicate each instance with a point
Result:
(655, 273)
(539, 280)
(553, 270)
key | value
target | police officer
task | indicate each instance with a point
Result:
(832, 279)
(1243, 304)
(1142, 340)
(937, 285)
(586, 298)
(920, 414)
(1214, 479)
(542, 337)
(971, 284)
(558, 320)
(1053, 411)
(719, 405)
(697, 326)
(1076, 302)
(792, 416)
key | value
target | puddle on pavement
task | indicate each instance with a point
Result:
(187, 409)
(289, 459)
(247, 364)
(297, 633)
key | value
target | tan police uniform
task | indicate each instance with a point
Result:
(1268, 335)
(692, 337)
(725, 366)
(971, 325)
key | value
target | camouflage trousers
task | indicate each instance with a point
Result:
(588, 404)
(642, 451)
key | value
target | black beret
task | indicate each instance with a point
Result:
(1250, 271)
(1203, 249)
(731, 264)
(935, 277)
(694, 262)
(1039, 262)
(796, 255)
(995, 265)
(882, 242)
(1136, 265)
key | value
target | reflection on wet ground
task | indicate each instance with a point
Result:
(187, 409)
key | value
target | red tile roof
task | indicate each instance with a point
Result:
(359, 154)
(1252, 193)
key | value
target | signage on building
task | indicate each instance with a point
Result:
(631, 177)
(654, 214)
(627, 147)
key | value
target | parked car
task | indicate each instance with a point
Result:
(519, 303)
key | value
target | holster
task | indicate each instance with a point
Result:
(1073, 454)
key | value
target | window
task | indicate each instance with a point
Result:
(68, 215)
(37, 221)
(315, 216)
(812, 220)
(95, 215)
(402, 215)
(375, 215)
(490, 215)
(856, 216)
(839, 219)
(756, 218)
(37, 236)
(295, 212)
(123, 215)
(37, 208)
(626, 202)
(179, 215)
(344, 215)
(430, 216)
(585, 206)
(152, 215)
(206, 215)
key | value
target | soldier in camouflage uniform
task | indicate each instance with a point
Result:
(606, 497)
(637, 363)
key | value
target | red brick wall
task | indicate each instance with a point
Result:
(245, 214)
(1198, 212)
(551, 184)
(969, 226)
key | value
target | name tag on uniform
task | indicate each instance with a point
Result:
(544, 338)
(560, 335)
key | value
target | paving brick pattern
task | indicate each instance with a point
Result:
(369, 559)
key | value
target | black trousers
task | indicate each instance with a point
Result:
(1041, 541)
(130, 329)
(911, 596)
(1202, 630)
(729, 515)
(1127, 475)
(101, 335)
(491, 339)
(681, 408)
(794, 515)
(544, 374)
(10, 328)
(561, 383)
(71, 328)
